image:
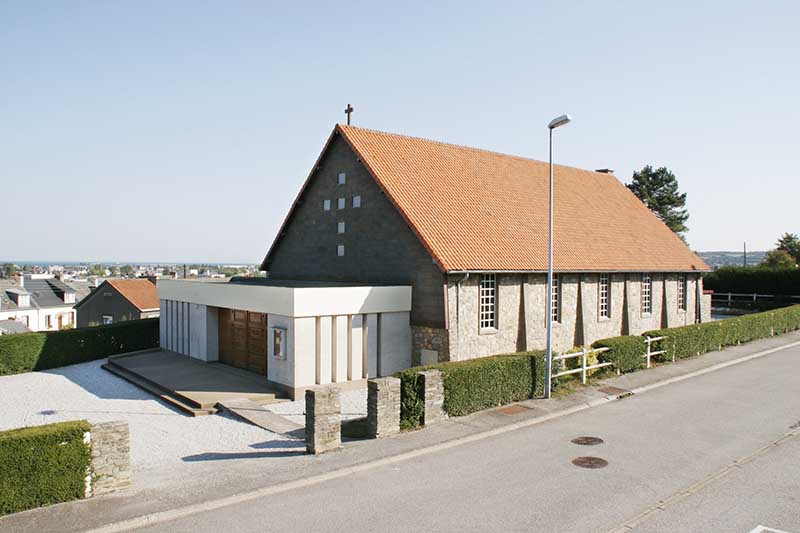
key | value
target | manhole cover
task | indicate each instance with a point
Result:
(587, 441)
(614, 391)
(590, 462)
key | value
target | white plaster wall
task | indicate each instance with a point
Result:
(281, 370)
(304, 354)
(32, 314)
(203, 332)
(395, 342)
(325, 349)
(340, 370)
(371, 343)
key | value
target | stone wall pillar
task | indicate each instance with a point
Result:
(433, 385)
(383, 407)
(323, 419)
(110, 457)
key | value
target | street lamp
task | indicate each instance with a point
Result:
(555, 123)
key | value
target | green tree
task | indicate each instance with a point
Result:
(778, 259)
(127, 271)
(97, 270)
(8, 270)
(790, 243)
(658, 189)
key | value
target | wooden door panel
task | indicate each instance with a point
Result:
(243, 339)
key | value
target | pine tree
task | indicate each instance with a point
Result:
(658, 189)
(790, 243)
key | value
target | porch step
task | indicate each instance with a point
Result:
(170, 397)
(258, 415)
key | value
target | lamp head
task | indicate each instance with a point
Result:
(559, 121)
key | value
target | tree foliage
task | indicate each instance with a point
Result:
(658, 189)
(778, 259)
(790, 243)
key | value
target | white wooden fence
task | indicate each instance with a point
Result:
(730, 298)
(586, 352)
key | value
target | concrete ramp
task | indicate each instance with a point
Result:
(258, 415)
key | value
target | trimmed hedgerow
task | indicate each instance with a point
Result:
(475, 384)
(25, 352)
(625, 352)
(43, 465)
(782, 281)
(688, 341)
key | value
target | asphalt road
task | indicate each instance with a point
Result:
(662, 445)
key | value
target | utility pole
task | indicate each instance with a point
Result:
(745, 253)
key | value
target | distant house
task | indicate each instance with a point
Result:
(38, 302)
(118, 300)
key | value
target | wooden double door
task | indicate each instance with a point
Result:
(243, 339)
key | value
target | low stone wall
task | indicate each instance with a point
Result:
(110, 457)
(426, 341)
(323, 419)
(383, 407)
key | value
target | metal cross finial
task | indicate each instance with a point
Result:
(348, 111)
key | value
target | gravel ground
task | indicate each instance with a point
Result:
(354, 405)
(160, 435)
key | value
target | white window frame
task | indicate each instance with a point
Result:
(340, 227)
(326, 205)
(555, 308)
(604, 296)
(108, 319)
(357, 201)
(48, 321)
(487, 303)
(683, 285)
(342, 178)
(340, 250)
(279, 343)
(341, 203)
(647, 294)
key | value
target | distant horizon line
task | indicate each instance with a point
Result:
(107, 262)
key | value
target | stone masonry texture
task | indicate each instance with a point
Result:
(427, 338)
(110, 457)
(433, 385)
(383, 407)
(323, 419)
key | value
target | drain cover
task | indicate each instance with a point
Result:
(590, 462)
(587, 441)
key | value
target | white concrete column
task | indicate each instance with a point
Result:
(371, 336)
(325, 349)
(356, 347)
(342, 354)
(162, 323)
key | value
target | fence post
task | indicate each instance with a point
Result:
(647, 340)
(729, 299)
(583, 364)
(755, 295)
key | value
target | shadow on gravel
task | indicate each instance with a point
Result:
(296, 448)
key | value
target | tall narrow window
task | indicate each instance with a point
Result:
(326, 205)
(340, 203)
(357, 200)
(340, 250)
(603, 292)
(488, 300)
(340, 227)
(342, 178)
(647, 291)
(555, 306)
(682, 282)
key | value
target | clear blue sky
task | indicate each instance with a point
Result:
(181, 131)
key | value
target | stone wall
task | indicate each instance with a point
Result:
(323, 419)
(383, 407)
(110, 457)
(521, 302)
(430, 340)
(433, 385)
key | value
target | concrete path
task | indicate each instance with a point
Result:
(260, 416)
(500, 469)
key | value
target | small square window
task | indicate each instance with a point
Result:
(279, 343)
(326, 205)
(108, 319)
(342, 178)
(340, 203)
(357, 201)
(340, 250)
(340, 227)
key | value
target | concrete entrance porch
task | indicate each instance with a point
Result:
(193, 386)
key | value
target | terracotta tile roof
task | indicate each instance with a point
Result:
(480, 210)
(140, 292)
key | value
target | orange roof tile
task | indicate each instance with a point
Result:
(479, 210)
(140, 292)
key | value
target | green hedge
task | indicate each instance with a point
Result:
(24, 352)
(754, 279)
(625, 352)
(688, 341)
(475, 384)
(43, 465)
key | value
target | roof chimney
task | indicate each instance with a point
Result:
(605, 170)
(21, 280)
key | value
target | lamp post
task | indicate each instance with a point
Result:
(555, 123)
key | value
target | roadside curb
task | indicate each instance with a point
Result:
(210, 505)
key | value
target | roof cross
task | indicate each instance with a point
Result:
(348, 111)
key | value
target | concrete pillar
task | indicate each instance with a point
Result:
(323, 420)
(433, 385)
(110, 457)
(383, 407)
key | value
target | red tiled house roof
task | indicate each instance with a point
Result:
(142, 293)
